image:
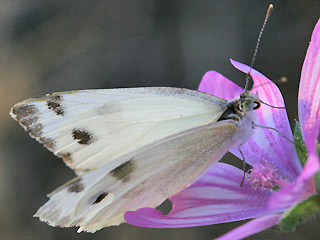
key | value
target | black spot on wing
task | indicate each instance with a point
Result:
(123, 171)
(22, 111)
(66, 157)
(76, 186)
(27, 121)
(83, 136)
(48, 143)
(54, 103)
(27, 115)
(100, 197)
(35, 130)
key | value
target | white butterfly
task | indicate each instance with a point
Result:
(131, 148)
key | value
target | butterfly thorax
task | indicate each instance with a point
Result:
(238, 108)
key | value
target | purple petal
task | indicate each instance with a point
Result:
(215, 198)
(292, 194)
(310, 168)
(267, 145)
(252, 227)
(245, 68)
(216, 84)
(309, 102)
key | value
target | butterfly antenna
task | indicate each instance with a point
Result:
(271, 105)
(257, 46)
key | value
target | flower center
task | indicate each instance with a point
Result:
(264, 176)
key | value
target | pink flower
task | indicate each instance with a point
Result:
(217, 196)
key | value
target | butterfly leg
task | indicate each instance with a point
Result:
(243, 165)
(280, 133)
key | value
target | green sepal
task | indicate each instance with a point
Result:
(300, 213)
(302, 152)
(300, 145)
(317, 181)
(317, 175)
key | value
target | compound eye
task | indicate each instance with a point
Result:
(257, 106)
(240, 106)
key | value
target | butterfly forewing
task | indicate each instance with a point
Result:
(88, 128)
(142, 178)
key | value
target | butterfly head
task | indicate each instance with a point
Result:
(239, 107)
(248, 102)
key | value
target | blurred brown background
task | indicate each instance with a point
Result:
(48, 46)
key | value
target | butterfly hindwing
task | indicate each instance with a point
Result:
(88, 128)
(142, 178)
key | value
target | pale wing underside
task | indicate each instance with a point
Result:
(143, 178)
(88, 128)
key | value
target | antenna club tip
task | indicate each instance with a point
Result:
(270, 9)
